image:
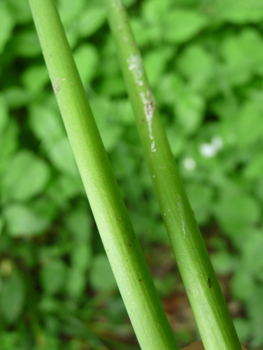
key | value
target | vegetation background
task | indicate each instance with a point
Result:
(204, 60)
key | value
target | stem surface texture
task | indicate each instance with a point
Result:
(128, 264)
(205, 295)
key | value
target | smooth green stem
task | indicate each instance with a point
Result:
(129, 267)
(205, 295)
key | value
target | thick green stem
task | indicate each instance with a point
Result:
(205, 295)
(122, 247)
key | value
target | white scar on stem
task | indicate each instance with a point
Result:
(149, 108)
(136, 67)
(56, 85)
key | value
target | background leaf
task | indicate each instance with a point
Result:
(204, 60)
(25, 177)
(23, 221)
(12, 298)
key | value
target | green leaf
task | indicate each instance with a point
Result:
(165, 285)
(79, 223)
(155, 11)
(3, 114)
(81, 256)
(139, 31)
(12, 298)
(243, 54)
(155, 63)
(35, 78)
(48, 304)
(237, 69)
(123, 165)
(22, 221)
(112, 86)
(255, 314)
(200, 197)
(259, 189)
(225, 262)
(189, 111)
(69, 13)
(26, 176)
(170, 86)
(112, 67)
(46, 125)
(1, 225)
(116, 310)
(177, 143)
(91, 20)
(198, 66)
(250, 123)
(253, 169)
(251, 251)
(8, 145)
(6, 24)
(53, 276)
(182, 25)
(62, 158)
(236, 210)
(243, 285)
(239, 11)
(128, 3)
(16, 96)
(20, 10)
(110, 129)
(243, 328)
(65, 188)
(251, 42)
(226, 109)
(76, 282)
(122, 111)
(87, 58)
(45, 207)
(26, 44)
(11, 339)
(101, 276)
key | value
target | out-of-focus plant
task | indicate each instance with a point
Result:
(207, 82)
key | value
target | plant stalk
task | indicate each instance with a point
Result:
(210, 310)
(123, 250)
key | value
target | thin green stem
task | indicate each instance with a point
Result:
(205, 295)
(129, 267)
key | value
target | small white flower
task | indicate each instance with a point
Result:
(189, 164)
(209, 150)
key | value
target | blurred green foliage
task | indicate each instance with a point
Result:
(204, 60)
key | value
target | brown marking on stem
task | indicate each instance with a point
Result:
(56, 86)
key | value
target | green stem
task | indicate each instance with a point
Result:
(129, 267)
(205, 295)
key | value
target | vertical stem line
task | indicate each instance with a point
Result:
(128, 264)
(205, 295)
